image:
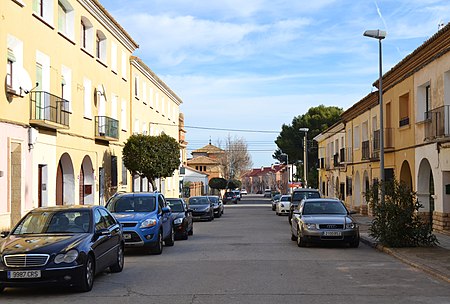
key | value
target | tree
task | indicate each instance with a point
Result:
(236, 160)
(397, 223)
(152, 157)
(217, 183)
(291, 139)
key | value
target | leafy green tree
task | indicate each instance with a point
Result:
(217, 183)
(152, 157)
(291, 140)
(233, 184)
(397, 223)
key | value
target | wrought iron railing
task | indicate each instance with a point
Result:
(106, 127)
(48, 107)
(365, 150)
(438, 123)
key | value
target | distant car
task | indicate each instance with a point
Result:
(275, 200)
(63, 245)
(323, 220)
(283, 204)
(202, 208)
(146, 220)
(298, 195)
(268, 193)
(229, 197)
(182, 218)
(244, 192)
(238, 194)
(217, 205)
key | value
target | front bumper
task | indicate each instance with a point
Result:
(137, 237)
(318, 236)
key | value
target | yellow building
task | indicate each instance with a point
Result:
(67, 107)
(416, 103)
(207, 160)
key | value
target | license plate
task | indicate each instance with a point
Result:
(25, 274)
(332, 233)
(127, 236)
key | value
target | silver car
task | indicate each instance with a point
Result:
(323, 220)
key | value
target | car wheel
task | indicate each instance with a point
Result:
(118, 264)
(289, 219)
(355, 243)
(273, 208)
(158, 249)
(170, 240)
(87, 277)
(300, 241)
(191, 232)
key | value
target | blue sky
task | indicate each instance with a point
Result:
(256, 64)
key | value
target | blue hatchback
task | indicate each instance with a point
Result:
(145, 218)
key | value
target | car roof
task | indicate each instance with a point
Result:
(138, 194)
(66, 207)
(306, 190)
(328, 200)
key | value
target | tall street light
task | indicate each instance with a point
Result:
(380, 35)
(305, 155)
(288, 171)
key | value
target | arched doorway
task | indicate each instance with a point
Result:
(86, 182)
(65, 181)
(425, 188)
(366, 188)
(405, 175)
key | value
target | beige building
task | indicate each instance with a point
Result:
(416, 102)
(207, 160)
(67, 108)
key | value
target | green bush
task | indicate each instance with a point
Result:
(397, 223)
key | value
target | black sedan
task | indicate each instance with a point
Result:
(230, 197)
(64, 245)
(183, 225)
(217, 205)
(202, 208)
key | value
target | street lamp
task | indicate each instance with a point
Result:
(288, 171)
(305, 155)
(380, 35)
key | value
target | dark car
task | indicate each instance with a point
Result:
(182, 218)
(298, 195)
(202, 208)
(146, 220)
(323, 220)
(217, 205)
(63, 245)
(230, 197)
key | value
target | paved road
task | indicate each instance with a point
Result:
(247, 257)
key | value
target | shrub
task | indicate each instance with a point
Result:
(397, 223)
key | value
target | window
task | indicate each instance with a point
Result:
(123, 115)
(356, 139)
(100, 46)
(113, 171)
(9, 69)
(136, 87)
(124, 175)
(151, 97)
(144, 92)
(404, 110)
(65, 18)
(44, 9)
(114, 98)
(427, 102)
(114, 57)
(124, 65)
(87, 32)
(66, 87)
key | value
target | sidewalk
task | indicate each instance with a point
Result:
(433, 260)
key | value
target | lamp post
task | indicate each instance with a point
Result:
(288, 171)
(305, 156)
(380, 35)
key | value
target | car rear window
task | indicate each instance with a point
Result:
(299, 195)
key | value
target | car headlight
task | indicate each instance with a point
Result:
(148, 223)
(311, 226)
(68, 257)
(351, 226)
(282, 205)
(207, 209)
(178, 221)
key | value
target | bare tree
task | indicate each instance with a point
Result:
(236, 160)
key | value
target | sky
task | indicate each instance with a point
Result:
(243, 68)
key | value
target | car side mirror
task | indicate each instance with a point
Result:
(101, 232)
(352, 212)
(165, 210)
(4, 234)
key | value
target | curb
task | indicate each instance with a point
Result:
(370, 242)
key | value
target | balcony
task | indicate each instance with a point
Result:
(438, 123)
(106, 128)
(48, 110)
(365, 150)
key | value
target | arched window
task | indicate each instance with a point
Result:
(100, 46)
(66, 18)
(87, 31)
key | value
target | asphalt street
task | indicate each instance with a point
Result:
(247, 256)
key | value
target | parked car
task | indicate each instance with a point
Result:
(182, 218)
(275, 200)
(63, 245)
(298, 195)
(323, 220)
(202, 208)
(268, 193)
(243, 192)
(145, 218)
(217, 205)
(283, 205)
(238, 194)
(229, 197)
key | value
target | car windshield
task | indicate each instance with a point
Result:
(276, 197)
(324, 207)
(49, 222)
(176, 205)
(132, 203)
(285, 198)
(198, 201)
(214, 199)
(298, 196)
